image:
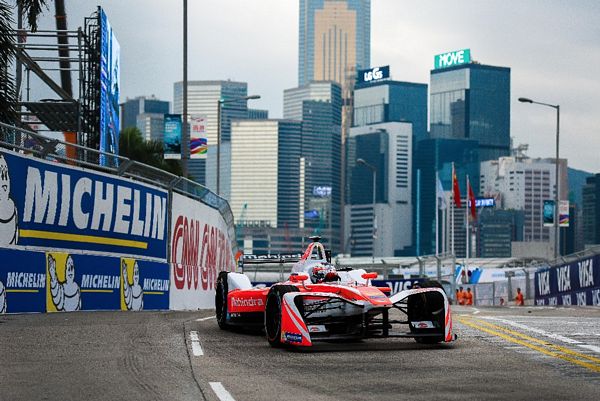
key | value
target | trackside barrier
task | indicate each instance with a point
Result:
(78, 236)
(574, 283)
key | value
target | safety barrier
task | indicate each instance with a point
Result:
(77, 235)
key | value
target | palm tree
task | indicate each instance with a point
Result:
(31, 9)
(133, 146)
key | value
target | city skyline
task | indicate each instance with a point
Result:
(552, 59)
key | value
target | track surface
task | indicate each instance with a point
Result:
(502, 353)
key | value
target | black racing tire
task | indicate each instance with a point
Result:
(273, 313)
(221, 300)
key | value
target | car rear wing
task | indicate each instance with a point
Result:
(277, 259)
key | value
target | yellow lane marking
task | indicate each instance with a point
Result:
(22, 290)
(542, 342)
(90, 239)
(545, 351)
(97, 290)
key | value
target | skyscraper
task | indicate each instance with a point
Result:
(203, 97)
(387, 147)
(335, 39)
(131, 108)
(472, 101)
(319, 105)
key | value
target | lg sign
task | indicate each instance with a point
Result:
(374, 74)
(453, 58)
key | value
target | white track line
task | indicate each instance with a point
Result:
(202, 319)
(534, 330)
(196, 348)
(590, 347)
(221, 392)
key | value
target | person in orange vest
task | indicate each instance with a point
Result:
(469, 297)
(519, 298)
(460, 296)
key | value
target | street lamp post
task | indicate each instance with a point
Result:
(220, 103)
(556, 216)
(374, 170)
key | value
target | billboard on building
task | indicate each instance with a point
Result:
(374, 74)
(109, 89)
(452, 59)
(172, 138)
(198, 139)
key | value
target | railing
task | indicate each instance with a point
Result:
(25, 141)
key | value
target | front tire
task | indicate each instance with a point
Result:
(221, 301)
(273, 313)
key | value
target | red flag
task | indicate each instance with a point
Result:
(472, 200)
(455, 188)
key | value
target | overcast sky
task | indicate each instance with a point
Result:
(552, 47)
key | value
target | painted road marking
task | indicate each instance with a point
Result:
(196, 348)
(543, 347)
(590, 347)
(534, 330)
(221, 392)
(202, 319)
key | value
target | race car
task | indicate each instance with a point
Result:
(321, 303)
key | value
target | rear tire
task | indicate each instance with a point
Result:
(273, 313)
(221, 301)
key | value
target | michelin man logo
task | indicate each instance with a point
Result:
(2, 298)
(133, 294)
(66, 296)
(9, 225)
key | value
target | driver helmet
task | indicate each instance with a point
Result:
(320, 274)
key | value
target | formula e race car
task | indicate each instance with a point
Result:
(322, 303)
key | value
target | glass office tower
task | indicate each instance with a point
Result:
(472, 101)
(334, 36)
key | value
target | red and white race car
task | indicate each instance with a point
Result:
(322, 303)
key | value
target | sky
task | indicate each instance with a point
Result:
(551, 46)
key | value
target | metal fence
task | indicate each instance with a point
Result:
(28, 142)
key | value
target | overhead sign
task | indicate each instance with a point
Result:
(452, 59)
(373, 74)
(172, 139)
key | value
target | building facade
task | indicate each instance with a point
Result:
(387, 101)
(383, 228)
(334, 39)
(472, 101)
(203, 98)
(151, 125)
(496, 230)
(131, 108)
(591, 210)
(524, 184)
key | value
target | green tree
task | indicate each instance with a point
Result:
(133, 146)
(31, 9)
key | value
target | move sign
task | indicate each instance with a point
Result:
(452, 59)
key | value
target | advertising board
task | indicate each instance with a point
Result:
(172, 138)
(200, 249)
(47, 205)
(374, 74)
(198, 139)
(452, 59)
(576, 283)
(110, 74)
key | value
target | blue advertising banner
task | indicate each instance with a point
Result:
(109, 89)
(577, 283)
(144, 285)
(22, 281)
(172, 139)
(53, 206)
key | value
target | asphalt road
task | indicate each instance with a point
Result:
(502, 353)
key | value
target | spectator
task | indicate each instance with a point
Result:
(460, 296)
(469, 297)
(502, 301)
(519, 298)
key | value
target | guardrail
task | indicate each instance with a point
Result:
(25, 141)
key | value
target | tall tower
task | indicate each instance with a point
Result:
(335, 37)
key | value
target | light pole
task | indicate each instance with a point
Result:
(556, 223)
(374, 170)
(220, 103)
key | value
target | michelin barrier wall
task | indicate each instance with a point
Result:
(576, 283)
(77, 239)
